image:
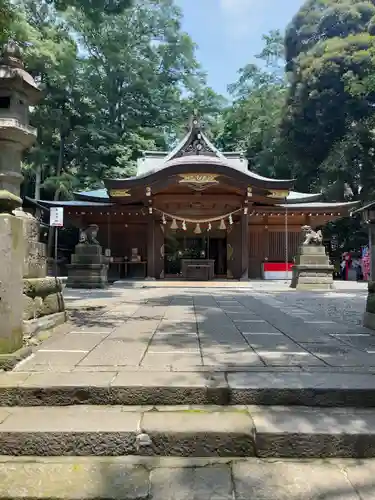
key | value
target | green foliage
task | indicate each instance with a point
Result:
(119, 77)
(7, 16)
(330, 56)
(252, 123)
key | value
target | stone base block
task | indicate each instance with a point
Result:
(34, 326)
(369, 320)
(312, 279)
(87, 276)
(312, 270)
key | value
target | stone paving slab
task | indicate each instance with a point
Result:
(192, 329)
(164, 478)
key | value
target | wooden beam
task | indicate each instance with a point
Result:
(220, 199)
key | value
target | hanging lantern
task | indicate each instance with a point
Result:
(174, 224)
(197, 229)
(209, 227)
(164, 221)
(222, 225)
(245, 210)
(150, 210)
(230, 219)
(184, 225)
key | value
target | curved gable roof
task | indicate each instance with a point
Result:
(201, 164)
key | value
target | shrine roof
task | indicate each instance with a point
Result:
(320, 204)
(74, 203)
(202, 164)
(196, 149)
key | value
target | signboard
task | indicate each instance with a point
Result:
(56, 217)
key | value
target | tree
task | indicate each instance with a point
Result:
(251, 124)
(7, 16)
(329, 50)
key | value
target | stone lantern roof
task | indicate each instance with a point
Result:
(14, 75)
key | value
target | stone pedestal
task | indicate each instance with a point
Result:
(312, 269)
(89, 267)
(11, 271)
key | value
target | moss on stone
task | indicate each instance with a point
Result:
(13, 342)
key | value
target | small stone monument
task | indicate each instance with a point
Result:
(89, 267)
(312, 269)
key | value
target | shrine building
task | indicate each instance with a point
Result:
(198, 213)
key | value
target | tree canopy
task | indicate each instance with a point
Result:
(330, 60)
(119, 77)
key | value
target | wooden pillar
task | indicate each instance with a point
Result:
(266, 244)
(151, 248)
(245, 247)
(159, 250)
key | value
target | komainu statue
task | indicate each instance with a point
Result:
(88, 235)
(311, 237)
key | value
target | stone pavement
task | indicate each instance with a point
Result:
(185, 479)
(213, 329)
(105, 384)
(182, 479)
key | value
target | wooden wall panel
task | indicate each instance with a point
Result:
(123, 239)
(277, 250)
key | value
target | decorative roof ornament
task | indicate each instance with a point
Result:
(11, 55)
(196, 143)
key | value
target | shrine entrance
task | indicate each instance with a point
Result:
(184, 248)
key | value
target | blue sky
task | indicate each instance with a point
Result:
(229, 32)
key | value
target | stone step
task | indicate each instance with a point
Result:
(321, 389)
(195, 431)
(167, 478)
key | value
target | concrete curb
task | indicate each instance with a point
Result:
(33, 326)
(280, 432)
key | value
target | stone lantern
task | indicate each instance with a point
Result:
(19, 247)
(368, 218)
(18, 91)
